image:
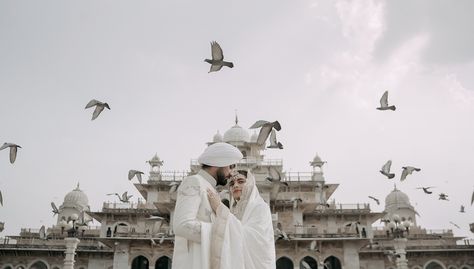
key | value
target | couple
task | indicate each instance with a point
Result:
(208, 235)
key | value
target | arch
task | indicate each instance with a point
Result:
(310, 261)
(466, 267)
(164, 262)
(434, 264)
(416, 267)
(452, 267)
(284, 263)
(39, 264)
(8, 266)
(140, 262)
(56, 267)
(20, 266)
(332, 262)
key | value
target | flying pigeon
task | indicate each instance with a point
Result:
(136, 173)
(426, 189)
(173, 186)
(274, 144)
(265, 129)
(407, 170)
(375, 199)
(217, 61)
(305, 265)
(42, 233)
(295, 202)
(443, 196)
(99, 107)
(13, 150)
(472, 198)
(457, 226)
(55, 209)
(384, 103)
(312, 246)
(280, 233)
(386, 170)
(391, 255)
(462, 209)
(1, 198)
(125, 198)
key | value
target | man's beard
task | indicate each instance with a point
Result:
(221, 177)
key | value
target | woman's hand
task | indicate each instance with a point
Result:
(214, 199)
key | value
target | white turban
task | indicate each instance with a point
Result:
(220, 155)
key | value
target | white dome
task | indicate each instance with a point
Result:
(76, 199)
(217, 137)
(236, 134)
(397, 199)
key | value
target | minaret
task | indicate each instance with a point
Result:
(317, 164)
(155, 168)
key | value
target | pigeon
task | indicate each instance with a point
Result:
(386, 170)
(426, 189)
(265, 129)
(162, 239)
(13, 150)
(153, 243)
(55, 209)
(280, 233)
(275, 176)
(42, 233)
(99, 107)
(391, 254)
(305, 265)
(312, 246)
(407, 170)
(125, 198)
(174, 186)
(443, 196)
(1, 198)
(353, 225)
(457, 226)
(217, 61)
(274, 144)
(385, 221)
(375, 199)
(295, 202)
(136, 173)
(384, 103)
(462, 209)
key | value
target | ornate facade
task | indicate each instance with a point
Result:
(316, 232)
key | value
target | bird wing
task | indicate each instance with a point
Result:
(13, 151)
(405, 173)
(384, 99)
(92, 103)
(55, 208)
(273, 138)
(1, 198)
(312, 246)
(42, 232)
(215, 67)
(305, 265)
(386, 166)
(216, 50)
(258, 124)
(139, 177)
(4, 146)
(264, 133)
(274, 174)
(131, 174)
(472, 198)
(276, 125)
(97, 111)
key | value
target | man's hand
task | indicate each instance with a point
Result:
(214, 199)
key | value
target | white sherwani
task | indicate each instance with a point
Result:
(192, 223)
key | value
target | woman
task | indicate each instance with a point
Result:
(242, 237)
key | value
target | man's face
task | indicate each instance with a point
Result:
(223, 174)
(236, 186)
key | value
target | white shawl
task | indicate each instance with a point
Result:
(244, 240)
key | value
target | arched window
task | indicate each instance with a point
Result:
(39, 265)
(140, 262)
(284, 263)
(163, 263)
(434, 265)
(332, 262)
(452, 267)
(308, 262)
(8, 267)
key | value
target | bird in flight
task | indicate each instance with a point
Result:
(133, 173)
(386, 170)
(462, 209)
(443, 196)
(384, 103)
(99, 107)
(13, 150)
(266, 128)
(426, 189)
(217, 61)
(55, 209)
(457, 226)
(274, 144)
(408, 170)
(375, 199)
(124, 198)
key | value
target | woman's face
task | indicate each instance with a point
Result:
(236, 185)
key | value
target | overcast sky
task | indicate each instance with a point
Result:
(317, 66)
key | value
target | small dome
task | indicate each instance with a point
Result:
(217, 137)
(254, 137)
(76, 199)
(236, 134)
(397, 199)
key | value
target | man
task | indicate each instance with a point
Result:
(193, 213)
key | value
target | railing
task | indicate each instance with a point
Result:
(298, 176)
(315, 232)
(250, 161)
(149, 233)
(126, 206)
(174, 175)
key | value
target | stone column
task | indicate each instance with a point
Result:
(121, 255)
(71, 245)
(400, 245)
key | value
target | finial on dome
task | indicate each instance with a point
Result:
(77, 187)
(236, 118)
(395, 186)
